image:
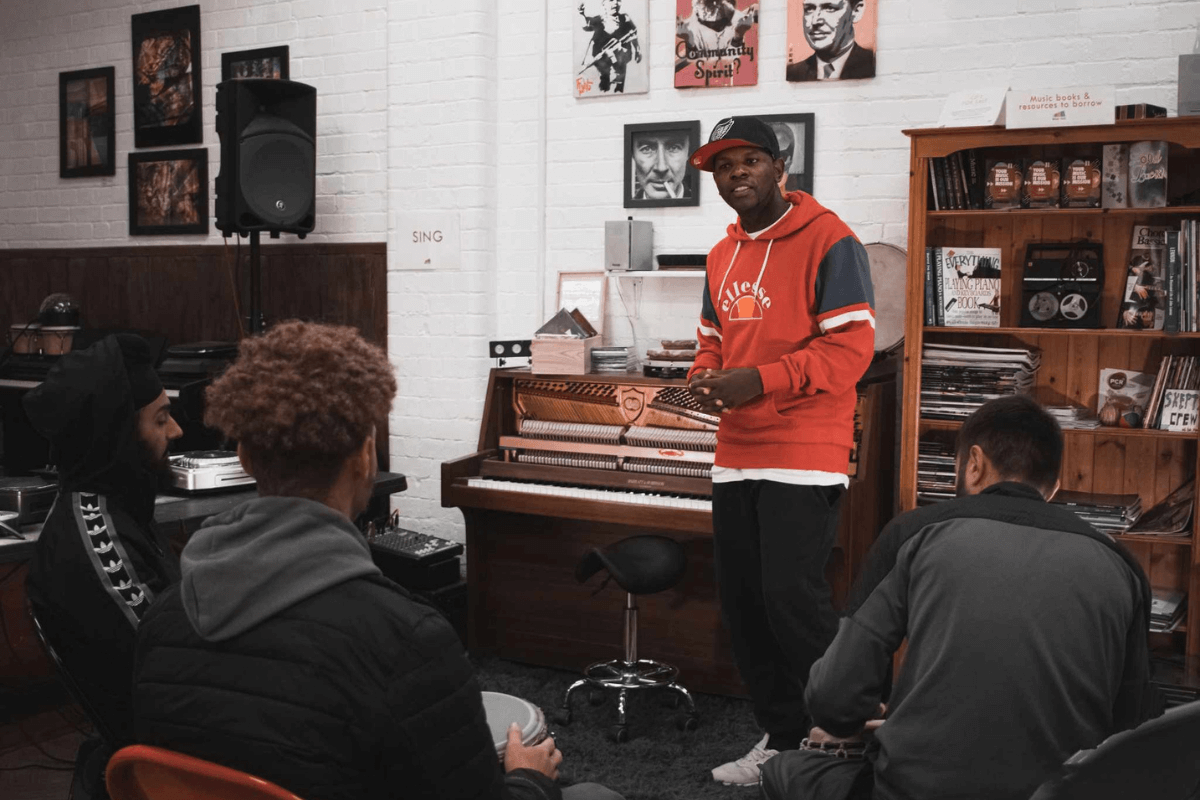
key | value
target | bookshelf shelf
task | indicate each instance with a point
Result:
(1150, 463)
(1136, 433)
(1098, 332)
(1177, 541)
(1042, 213)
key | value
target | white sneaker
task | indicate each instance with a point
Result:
(744, 771)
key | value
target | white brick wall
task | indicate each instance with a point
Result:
(342, 52)
(466, 106)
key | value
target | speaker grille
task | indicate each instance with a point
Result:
(277, 177)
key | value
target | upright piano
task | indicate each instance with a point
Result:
(568, 463)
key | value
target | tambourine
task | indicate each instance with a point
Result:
(502, 710)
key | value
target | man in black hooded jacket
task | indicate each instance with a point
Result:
(99, 562)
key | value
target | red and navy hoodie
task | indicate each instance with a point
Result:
(794, 301)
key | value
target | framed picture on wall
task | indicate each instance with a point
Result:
(795, 135)
(584, 291)
(166, 78)
(86, 126)
(716, 43)
(657, 172)
(168, 192)
(831, 41)
(609, 48)
(266, 62)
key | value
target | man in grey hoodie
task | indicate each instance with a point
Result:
(284, 652)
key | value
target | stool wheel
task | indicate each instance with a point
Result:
(618, 733)
(596, 697)
(561, 717)
(687, 722)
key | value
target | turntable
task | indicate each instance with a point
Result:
(208, 471)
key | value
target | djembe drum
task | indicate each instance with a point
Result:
(502, 710)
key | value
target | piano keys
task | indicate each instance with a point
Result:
(567, 464)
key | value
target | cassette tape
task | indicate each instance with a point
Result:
(1062, 285)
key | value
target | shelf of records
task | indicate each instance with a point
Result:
(1062, 284)
(1120, 515)
(957, 379)
(1105, 177)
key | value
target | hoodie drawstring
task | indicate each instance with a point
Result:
(721, 291)
(762, 270)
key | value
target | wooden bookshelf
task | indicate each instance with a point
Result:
(1150, 463)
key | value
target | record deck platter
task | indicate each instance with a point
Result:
(207, 471)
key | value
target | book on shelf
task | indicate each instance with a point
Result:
(1168, 607)
(930, 294)
(1143, 305)
(1002, 184)
(1124, 397)
(1041, 185)
(1080, 183)
(1114, 187)
(968, 286)
(1148, 175)
(1109, 513)
(1178, 377)
(1171, 516)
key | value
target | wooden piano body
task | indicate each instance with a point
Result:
(523, 545)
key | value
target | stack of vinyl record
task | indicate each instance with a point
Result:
(613, 359)
(935, 472)
(672, 361)
(1109, 513)
(956, 379)
(1074, 417)
(1167, 610)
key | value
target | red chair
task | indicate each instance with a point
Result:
(139, 772)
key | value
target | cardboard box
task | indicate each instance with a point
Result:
(562, 356)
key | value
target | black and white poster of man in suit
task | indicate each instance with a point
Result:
(610, 56)
(831, 40)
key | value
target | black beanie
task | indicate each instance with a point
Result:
(139, 365)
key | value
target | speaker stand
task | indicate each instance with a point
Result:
(256, 318)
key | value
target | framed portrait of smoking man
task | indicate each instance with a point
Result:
(657, 172)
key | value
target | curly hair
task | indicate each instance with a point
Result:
(299, 400)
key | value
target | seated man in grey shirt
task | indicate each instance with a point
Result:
(1026, 635)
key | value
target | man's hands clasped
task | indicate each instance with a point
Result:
(719, 390)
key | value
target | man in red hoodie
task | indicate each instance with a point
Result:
(786, 331)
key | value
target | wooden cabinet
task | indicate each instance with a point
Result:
(1148, 462)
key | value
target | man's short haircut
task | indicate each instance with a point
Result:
(300, 399)
(1022, 440)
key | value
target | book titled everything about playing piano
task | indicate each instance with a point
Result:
(962, 287)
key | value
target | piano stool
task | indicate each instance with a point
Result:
(640, 565)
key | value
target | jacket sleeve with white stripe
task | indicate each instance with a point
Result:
(845, 309)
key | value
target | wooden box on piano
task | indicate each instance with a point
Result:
(565, 464)
(562, 356)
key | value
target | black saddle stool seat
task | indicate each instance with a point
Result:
(639, 565)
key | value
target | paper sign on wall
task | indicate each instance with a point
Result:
(1180, 410)
(1049, 108)
(975, 107)
(426, 240)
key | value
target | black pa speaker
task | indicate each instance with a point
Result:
(268, 131)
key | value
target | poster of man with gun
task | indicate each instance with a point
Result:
(608, 51)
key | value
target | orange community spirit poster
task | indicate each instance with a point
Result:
(831, 40)
(716, 43)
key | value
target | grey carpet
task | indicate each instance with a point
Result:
(658, 762)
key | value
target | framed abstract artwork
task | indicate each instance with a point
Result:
(168, 192)
(266, 62)
(86, 123)
(657, 171)
(166, 78)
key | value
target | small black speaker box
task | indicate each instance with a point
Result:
(268, 131)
